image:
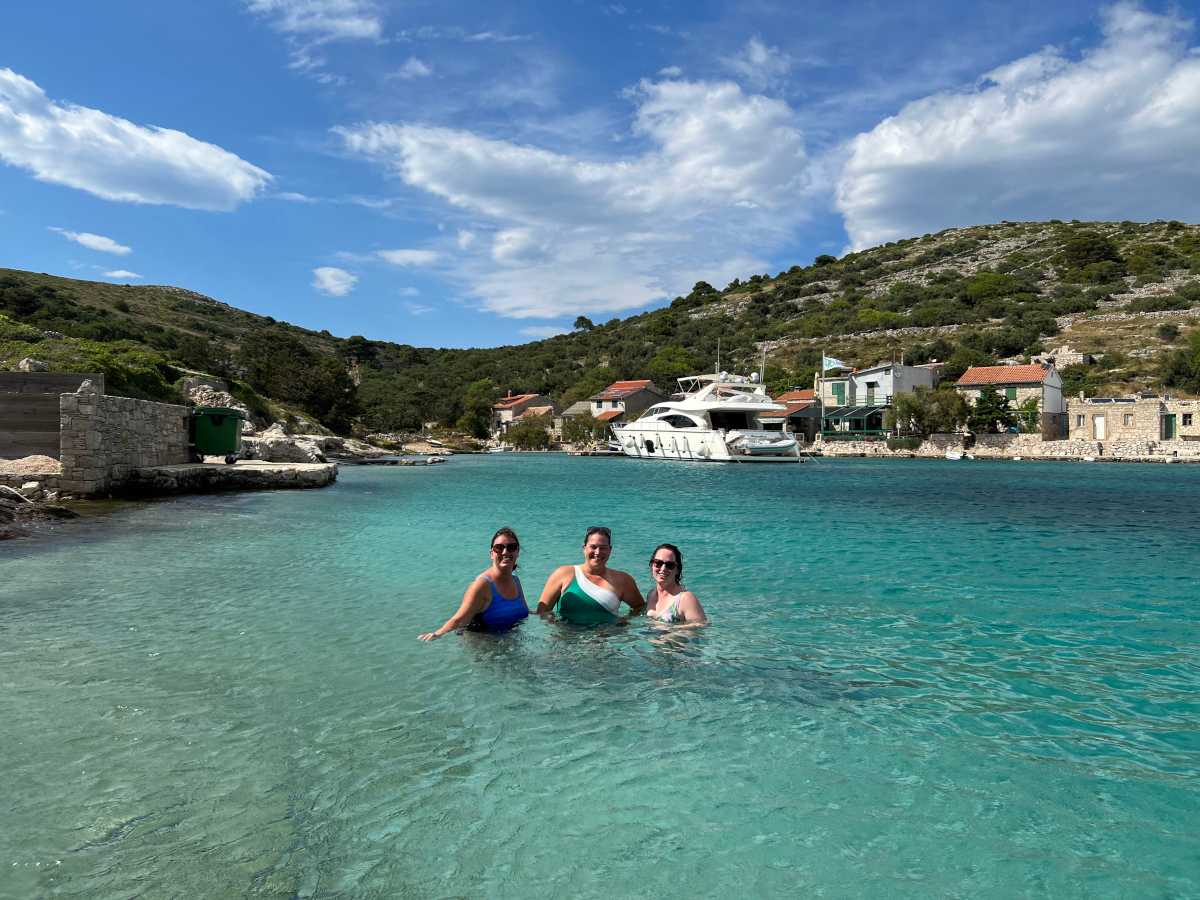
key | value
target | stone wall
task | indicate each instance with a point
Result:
(103, 439)
(1134, 421)
(1026, 446)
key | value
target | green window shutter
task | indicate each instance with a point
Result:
(1010, 393)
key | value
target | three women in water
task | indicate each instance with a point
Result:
(591, 592)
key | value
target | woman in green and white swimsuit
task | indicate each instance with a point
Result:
(669, 601)
(591, 592)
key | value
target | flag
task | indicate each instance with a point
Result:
(828, 362)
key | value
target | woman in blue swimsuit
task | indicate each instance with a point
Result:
(494, 601)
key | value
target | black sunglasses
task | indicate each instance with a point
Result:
(669, 564)
(501, 549)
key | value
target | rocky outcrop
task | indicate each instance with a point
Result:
(273, 445)
(15, 508)
(205, 395)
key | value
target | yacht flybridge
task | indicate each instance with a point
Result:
(714, 419)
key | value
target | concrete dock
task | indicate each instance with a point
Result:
(245, 474)
(189, 478)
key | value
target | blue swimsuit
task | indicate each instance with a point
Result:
(501, 613)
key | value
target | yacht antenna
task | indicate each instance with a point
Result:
(718, 369)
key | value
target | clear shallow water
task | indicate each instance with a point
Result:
(923, 679)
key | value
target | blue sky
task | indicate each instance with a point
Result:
(475, 174)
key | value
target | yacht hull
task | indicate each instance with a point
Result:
(700, 445)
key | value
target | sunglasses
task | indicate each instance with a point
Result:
(501, 549)
(669, 564)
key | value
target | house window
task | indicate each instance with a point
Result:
(1010, 393)
(1128, 420)
(1187, 420)
(1080, 421)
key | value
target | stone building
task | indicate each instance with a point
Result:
(1140, 419)
(1017, 384)
(623, 400)
(510, 408)
(1063, 356)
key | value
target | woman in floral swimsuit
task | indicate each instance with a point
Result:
(669, 601)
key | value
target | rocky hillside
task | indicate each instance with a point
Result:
(1121, 291)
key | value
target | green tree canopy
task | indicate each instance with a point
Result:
(1083, 248)
(991, 413)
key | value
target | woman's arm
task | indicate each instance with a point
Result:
(553, 589)
(476, 598)
(629, 593)
(693, 612)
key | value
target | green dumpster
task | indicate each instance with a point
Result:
(217, 431)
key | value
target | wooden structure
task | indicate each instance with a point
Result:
(29, 413)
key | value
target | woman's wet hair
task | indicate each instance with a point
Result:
(678, 560)
(507, 532)
(598, 529)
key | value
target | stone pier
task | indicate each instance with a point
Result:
(244, 475)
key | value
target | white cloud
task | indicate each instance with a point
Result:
(334, 282)
(320, 21)
(121, 273)
(409, 292)
(498, 37)
(296, 198)
(413, 68)
(95, 241)
(408, 257)
(575, 234)
(670, 72)
(83, 148)
(465, 239)
(544, 331)
(761, 65)
(1111, 135)
(417, 309)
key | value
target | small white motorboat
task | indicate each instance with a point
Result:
(503, 448)
(953, 454)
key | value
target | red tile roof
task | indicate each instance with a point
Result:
(509, 402)
(609, 414)
(806, 394)
(1004, 375)
(619, 389)
(537, 411)
(792, 407)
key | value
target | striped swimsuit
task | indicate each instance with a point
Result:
(583, 601)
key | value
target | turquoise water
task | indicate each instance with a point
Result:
(923, 679)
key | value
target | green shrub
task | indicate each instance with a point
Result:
(903, 443)
(1159, 303)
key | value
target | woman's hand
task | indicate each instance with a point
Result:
(477, 597)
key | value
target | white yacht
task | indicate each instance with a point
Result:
(715, 419)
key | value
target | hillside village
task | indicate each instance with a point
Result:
(1034, 319)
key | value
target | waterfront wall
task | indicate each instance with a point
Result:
(1027, 446)
(102, 439)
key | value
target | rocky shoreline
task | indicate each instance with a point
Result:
(17, 509)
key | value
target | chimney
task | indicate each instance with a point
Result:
(510, 392)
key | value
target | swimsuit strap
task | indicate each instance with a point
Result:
(496, 591)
